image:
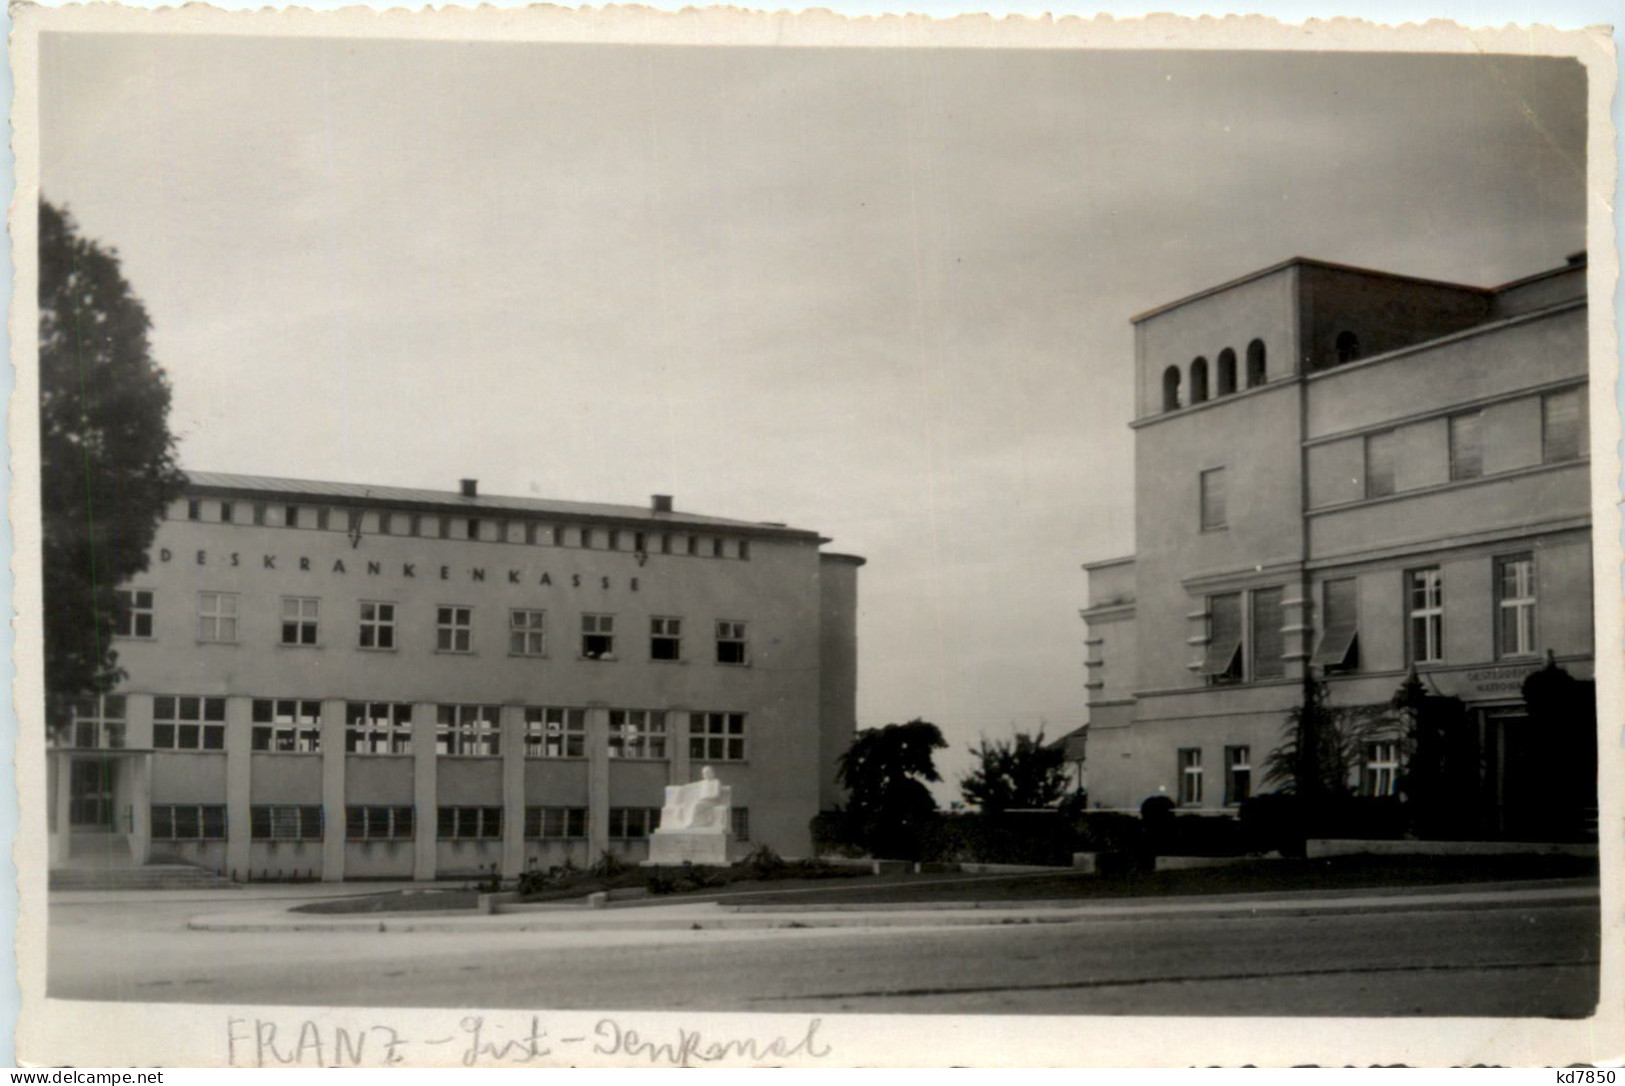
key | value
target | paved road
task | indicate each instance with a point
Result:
(1530, 960)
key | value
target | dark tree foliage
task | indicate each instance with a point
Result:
(889, 808)
(107, 459)
(1321, 747)
(1015, 773)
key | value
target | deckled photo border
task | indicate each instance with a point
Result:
(59, 1032)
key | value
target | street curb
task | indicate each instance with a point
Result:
(745, 918)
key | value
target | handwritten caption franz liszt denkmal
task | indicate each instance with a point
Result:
(481, 1041)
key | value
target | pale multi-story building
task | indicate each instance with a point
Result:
(1344, 473)
(373, 682)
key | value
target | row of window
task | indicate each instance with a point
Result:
(1245, 639)
(377, 627)
(464, 527)
(293, 726)
(1565, 435)
(1224, 376)
(1379, 772)
(272, 822)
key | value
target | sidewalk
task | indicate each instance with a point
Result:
(716, 916)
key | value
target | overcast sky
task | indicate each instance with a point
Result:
(882, 294)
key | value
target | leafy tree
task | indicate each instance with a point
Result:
(107, 458)
(885, 770)
(1015, 773)
(1321, 746)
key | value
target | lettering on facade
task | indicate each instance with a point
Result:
(1498, 680)
(407, 570)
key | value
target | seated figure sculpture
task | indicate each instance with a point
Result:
(694, 823)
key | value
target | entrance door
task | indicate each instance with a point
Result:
(90, 799)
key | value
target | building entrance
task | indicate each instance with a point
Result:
(90, 798)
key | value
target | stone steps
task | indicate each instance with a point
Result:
(150, 877)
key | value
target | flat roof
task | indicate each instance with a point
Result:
(271, 487)
(1575, 261)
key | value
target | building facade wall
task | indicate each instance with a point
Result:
(769, 589)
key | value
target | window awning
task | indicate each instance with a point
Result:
(1223, 656)
(1336, 648)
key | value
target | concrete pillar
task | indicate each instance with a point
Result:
(513, 791)
(677, 747)
(597, 781)
(62, 766)
(425, 797)
(137, 769)
(333, 821)
(138, 721)
(239, 786)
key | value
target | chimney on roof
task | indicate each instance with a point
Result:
(471, 488)
(660, 503)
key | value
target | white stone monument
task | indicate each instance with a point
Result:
(695, 826)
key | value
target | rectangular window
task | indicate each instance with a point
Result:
(188, 822)
(731, 647)
(1190, 777)
(1223, 663)
(386, 522)
(474, 528)
(1466, 446)
(287, 726)
(716, 547)
(744, 556)
(555, 733)
(633, 823)
(1339, 648)
(1565, 431)
(290, 516)
(640, 542)
(586, 539)
(598, 637)
(1269, 643)
(226, 511)
(1380, 776)
(1238, 775)
(98, 723)
(468, 730)
(555, 823)
(1515, 605)
(378, 727)
(135, 613)
(259, 514)
(665, 542)
(1213, 505)
(665, 639)
(299, 620)
(377, 625)
(469, 823)
(716, 737)
(1380, 455)
(739, 822)
(194, 509)
(454, 629)
(188, 723)
(323, 517)
(380, 823)
(693, 545)
(285, 823)
(217, 616)
(614, 539)
(525, 633)
(1426, 590)
(637, 734)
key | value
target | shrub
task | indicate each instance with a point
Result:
(661, 884)
(762, 863)
(1108, 831)
(1274, 821)
(491, 883)
(608, 865)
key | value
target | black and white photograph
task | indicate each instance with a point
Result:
(693, 541)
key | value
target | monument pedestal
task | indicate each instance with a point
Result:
(695, 827)
(675, 848)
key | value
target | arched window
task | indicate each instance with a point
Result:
(1199, 381)
(1256, 373)
(1348, 347)
(1170, 388)
(1227, 372)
